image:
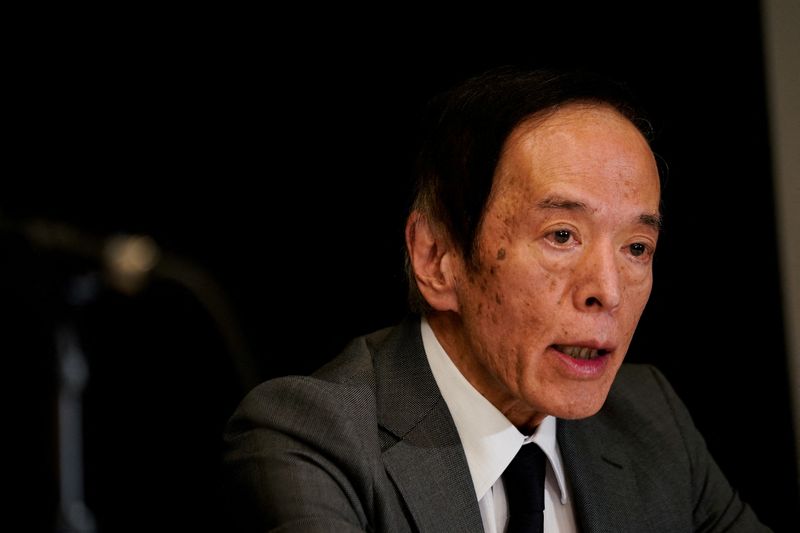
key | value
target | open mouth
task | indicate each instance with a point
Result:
(580, 352)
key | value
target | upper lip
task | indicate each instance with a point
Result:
(591, 344)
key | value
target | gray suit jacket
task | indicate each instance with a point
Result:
(367, 443)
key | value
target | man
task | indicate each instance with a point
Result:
(530, 248)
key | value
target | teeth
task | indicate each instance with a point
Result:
(578, 352)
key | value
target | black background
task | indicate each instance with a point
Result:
(274, 153)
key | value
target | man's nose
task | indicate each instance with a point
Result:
(598, 285)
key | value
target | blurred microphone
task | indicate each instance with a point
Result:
(130, 262)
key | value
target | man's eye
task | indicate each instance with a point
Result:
(562, 236)
(638, 249)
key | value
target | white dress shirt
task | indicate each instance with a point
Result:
(491, 441)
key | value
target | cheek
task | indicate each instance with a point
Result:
(639, 275)
(543, 285)
(637, 292)
(638, 281)
(552, 276)
(520, 306)
(553, 263)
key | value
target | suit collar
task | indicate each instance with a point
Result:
(405, 388)
(427, 463)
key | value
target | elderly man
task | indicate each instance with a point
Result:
(501, 403)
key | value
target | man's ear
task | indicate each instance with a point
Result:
(433, 261)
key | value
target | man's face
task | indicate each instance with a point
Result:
(565, 265)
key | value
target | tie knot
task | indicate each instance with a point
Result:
(523, 481)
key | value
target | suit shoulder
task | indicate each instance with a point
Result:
(326, 422)
(355, 364)
(343, 390)
(641, 402)
(643, 385)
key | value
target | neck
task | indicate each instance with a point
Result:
(474, 366)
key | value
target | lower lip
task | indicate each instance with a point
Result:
(582, 368)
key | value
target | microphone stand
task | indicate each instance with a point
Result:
(74, 515)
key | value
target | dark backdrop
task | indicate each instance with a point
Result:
(275, 154)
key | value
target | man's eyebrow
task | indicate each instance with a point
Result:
(654, 221)
(557, 202)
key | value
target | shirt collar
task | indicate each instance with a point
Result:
(489, 439)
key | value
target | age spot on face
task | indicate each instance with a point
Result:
(501, 254)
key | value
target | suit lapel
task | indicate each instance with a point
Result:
(433, 477)
(600, 474)
(427, 463)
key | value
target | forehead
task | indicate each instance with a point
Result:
(589, 148)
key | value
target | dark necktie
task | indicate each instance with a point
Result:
(523, 482)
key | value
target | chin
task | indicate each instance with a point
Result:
(577, 414)
(572, 409)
